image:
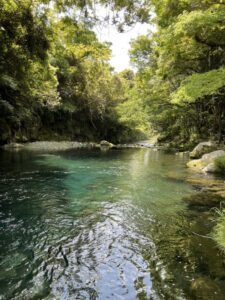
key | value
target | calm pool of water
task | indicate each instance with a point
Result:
(98, 225)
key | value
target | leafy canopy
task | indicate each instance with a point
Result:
(199, 85)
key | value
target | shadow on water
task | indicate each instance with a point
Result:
(103, 225)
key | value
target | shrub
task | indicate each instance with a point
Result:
(220, 164)
(219, 230)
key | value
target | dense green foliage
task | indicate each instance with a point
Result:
(219, 230)
(220, 164)
(199, 86)
(181, 70)
(55, 79)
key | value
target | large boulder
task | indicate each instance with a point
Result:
(210, 168)
(206, 163)
(202, 148)
(210, 157)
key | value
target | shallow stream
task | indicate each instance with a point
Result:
(103, 225)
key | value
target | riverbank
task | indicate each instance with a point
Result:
(207, 175)
(70, 145)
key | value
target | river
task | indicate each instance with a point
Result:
(88, 224)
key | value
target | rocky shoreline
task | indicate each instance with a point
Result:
(70, 145)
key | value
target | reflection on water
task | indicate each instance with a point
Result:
(94, 225)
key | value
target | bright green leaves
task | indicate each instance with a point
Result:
(199, 85)
(23, 44)
(202, 37)
(219, 229)
(51, 63)
(81, 51)
(181, 69)
(82, 65)
(8, 6)
(141, 52)
(193, 40)
(204, 26)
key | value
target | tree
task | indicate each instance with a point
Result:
(182, 69)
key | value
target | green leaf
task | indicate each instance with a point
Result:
(199, 85)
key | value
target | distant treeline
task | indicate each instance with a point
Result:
(56, 81)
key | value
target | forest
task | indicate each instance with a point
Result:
(112, 182)
(56, 82)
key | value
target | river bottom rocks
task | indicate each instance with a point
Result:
(175, 246)
(203, 286)
(201, 254)
(210, 268)
(204, 200)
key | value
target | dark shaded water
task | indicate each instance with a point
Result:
(102, 225)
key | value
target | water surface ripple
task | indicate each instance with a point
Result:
(95, 225)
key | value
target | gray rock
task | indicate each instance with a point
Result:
(210, 157)
(105, 145)
(210, 168)
(201, 149)
(205, 161)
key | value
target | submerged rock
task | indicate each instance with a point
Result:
(205, 288)
(199, 248)
(9, 265)
(204, 199)
(208, 184)
(201, 149)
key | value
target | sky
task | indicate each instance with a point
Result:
(120, 43)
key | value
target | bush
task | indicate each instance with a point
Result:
(219, 230)
(220, 164)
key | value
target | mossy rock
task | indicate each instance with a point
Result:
(196, 164)
(203, 163)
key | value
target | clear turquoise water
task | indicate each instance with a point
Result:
(95, 225)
